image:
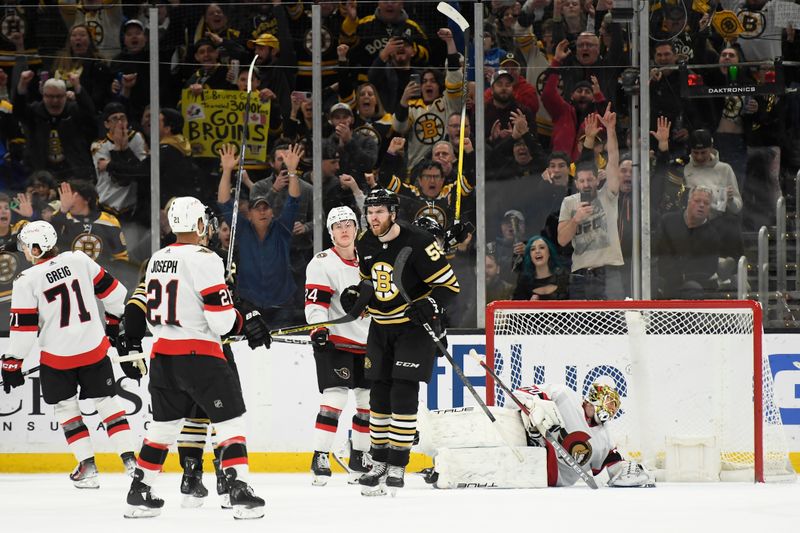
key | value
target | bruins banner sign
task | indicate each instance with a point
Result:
(216, 117)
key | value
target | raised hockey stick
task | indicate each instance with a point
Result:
(355, 312)
(452, 13)
(237, 191)
(559, 449)
(397, 279)
(26, 372)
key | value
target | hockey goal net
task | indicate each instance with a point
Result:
(685, 371)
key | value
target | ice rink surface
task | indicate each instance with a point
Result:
(36, 503)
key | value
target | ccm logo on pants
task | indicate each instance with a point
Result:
(406, 364)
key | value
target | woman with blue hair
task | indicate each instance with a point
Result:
(542, 277)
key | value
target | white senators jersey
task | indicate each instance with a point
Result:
(188, 303)
(327, 276)
(56, 298)
(592, 445)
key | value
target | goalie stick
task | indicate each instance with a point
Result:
(358, 307)
(559, 449)
(397, 278)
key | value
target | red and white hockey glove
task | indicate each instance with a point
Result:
(12, 373)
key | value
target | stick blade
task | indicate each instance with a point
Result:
(452, 13)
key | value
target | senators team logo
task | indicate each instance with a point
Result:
(89, 244)
(343, 373)
(578, 446)
(385, 289)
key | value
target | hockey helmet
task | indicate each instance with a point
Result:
(38, 233)
(378, 197)
(606, 401)
(339, 214)
(431, 226)
(183, 214)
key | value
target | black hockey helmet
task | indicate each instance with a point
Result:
(431, 226)
(385, 197)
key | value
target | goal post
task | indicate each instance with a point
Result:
(696, 388)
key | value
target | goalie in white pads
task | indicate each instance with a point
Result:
(339, 350)
(579, 424)
(55, 300)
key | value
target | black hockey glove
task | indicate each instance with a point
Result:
(424, 311)
(126, 346)
(349, 297)
(456, 234)
(112, 329)
(319, 338)
(256, 330)
(12, 373)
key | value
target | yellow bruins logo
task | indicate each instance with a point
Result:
(429, 128)
(8, 267)
(367, 363)
(385, 289)
(727, 24)
(433, 211)
(88, 243)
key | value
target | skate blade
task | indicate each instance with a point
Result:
(191, 502)
(91, 483)
(240, 512)
(373, 491)
(320, 481)
(225, 501)
(136, 511)
(393, 492)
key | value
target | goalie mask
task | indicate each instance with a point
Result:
(184, 213)
(38, 233)
(606, 402)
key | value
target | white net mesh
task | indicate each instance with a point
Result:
(682, 373)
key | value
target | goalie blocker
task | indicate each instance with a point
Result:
(468, 453)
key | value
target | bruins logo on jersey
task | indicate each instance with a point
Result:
(433, 211)
(9, 266)
(385, 289)
(577, 445)
(326, 39)
(429, 128)
(367, 363)
(88, 243)
(753, 22)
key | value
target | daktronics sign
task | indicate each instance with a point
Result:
(726, 91)
(735, 81)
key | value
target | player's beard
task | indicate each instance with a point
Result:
(383, 228)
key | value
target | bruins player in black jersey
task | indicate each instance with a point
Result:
(400, 353)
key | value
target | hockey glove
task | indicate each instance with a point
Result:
(12, 373)
(349, 297)
(319, 338)
(112, 329)
(256, 330)
(543, 415)
(456, 234)
(423, 311)
(126, 346)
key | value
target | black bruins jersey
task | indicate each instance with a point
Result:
(427, 272)
(98, 235)
(12, 262)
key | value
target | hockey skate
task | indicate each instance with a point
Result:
(85, 475)
(246, 505)
(192, 486)
(320, 469)
(394, 479)
(142, 503)
(373, 483)
(222, 487)
(129, 460)
(359, 464)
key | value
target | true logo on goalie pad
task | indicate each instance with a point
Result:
(476, 485)
(343, 373)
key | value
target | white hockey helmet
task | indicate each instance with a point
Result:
(606, 401)
(39, 233)
(183, 214)
(338, 214)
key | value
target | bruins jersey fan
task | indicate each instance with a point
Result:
(97, 234)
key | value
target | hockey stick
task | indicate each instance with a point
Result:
(452, 13)
(565, 456)
(237, 191)
(342, 346)
(133, 356)
(358, 307)
(397, 278)
(25, 373)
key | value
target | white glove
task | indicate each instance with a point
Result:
(543, 414)
(630, 474)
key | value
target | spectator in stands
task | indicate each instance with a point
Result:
(509, 245)
(211, 74)
(82, 225)
(58, 131)
(689, 246)
(666, 100)
(588, 220)
(569, 20)
(524, 93)
(215, 27)
(496, 287)
(392, 68)
(517, 155)
(586, 97)
(445, 154)
(105, 18)
(276, 61)
(705, 168)
(358, 150)
(541, 277)
(501, 111)
(338, 189)
(332, 16)
(43, 189)
(131, 69)
(80, 56)
(586, 62)
(264, 276)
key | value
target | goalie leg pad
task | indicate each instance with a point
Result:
(468, 427)
(463, 468)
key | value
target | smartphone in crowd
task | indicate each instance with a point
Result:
(587, 197)
(415, 78)
(303, 96)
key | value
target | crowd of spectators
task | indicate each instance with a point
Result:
(76, 147)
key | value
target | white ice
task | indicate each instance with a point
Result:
(35, 503)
